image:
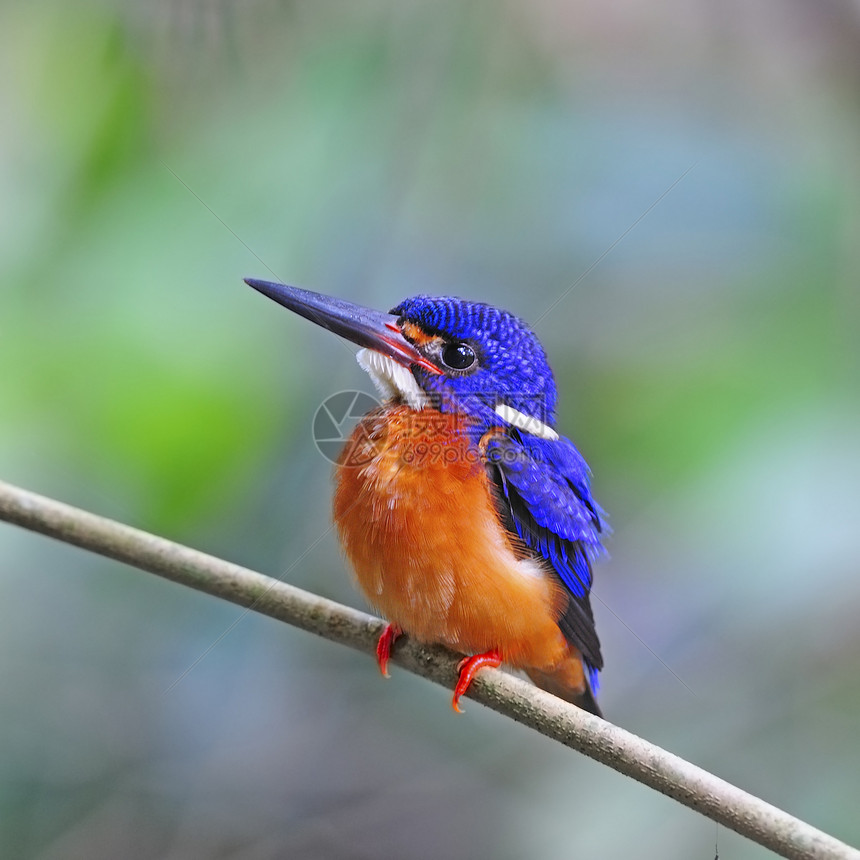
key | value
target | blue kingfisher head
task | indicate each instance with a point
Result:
(441, 352)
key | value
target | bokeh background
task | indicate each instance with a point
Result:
(669, 192)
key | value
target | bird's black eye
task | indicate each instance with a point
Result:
(458, 356)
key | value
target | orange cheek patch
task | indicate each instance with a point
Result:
(417, 335)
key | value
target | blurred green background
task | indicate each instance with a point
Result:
(152, 154)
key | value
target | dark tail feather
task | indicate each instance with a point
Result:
(588, 703)
(568, 681)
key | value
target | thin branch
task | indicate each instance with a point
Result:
(517, 699)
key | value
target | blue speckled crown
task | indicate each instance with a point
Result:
(512, 364)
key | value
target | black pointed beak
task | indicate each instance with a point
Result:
(366, 327)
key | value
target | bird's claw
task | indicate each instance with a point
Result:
(386, 641)
(468, 667)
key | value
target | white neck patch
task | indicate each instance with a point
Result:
(525, 422)
(393, 381)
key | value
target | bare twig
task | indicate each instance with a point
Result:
(517, 699)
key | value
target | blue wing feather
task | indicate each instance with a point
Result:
(545, 497)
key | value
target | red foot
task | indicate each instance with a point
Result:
(468, 668)
(389, 636)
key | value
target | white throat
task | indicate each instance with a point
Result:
(393, 381)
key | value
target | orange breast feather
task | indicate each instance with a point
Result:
(415, 515)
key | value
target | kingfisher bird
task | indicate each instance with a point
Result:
(468, 519)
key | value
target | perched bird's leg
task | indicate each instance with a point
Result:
(389, 636)
(468, 668)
